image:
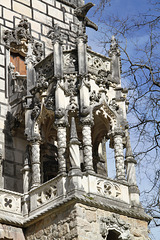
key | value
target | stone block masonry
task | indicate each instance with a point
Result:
(41, 14)
(81, 222)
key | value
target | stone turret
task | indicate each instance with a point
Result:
(61, 111)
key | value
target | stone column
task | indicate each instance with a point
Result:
(82, 54)
(36, 172)
(57, 42)
(87, 147)
(26, 182)
(131, 173)
(119, 156)
(61, 142)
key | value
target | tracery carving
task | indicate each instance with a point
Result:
(114, 222)
(70, 62)
(47, 194)
(97, 63)
(107, 188)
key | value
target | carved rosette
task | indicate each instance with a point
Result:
(61, 141)
(119, 156)
(108, 189)
(36, 174)
(87, 147)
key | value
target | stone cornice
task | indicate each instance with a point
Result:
(77, 197)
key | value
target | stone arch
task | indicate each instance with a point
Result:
(113, 235)
(104, 121)
(113, 225)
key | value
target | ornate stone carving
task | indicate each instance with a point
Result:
(18, 83)
(9, 202)
(36, 174)
(41, 82)
(116, 224)
(108, 189)
(74, 154)
(61, 142)
(47, 194)
(17, 38)
(70, 62)
(119, 155)
(55, 35)
(96, 63)
(81, 13)
(87, 147)
(113, 105)
(38, 51)
(50, 103)
(114, 47)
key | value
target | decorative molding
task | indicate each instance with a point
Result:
(114, 223)
(47, 194)
(18, 38)
(108, 189)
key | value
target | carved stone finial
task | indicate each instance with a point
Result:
(55, 35)
(114, 47)
(18, 34)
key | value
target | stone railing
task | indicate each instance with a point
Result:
(106, 187)
(58, 190)
(47, 193)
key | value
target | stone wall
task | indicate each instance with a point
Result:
(80, 222)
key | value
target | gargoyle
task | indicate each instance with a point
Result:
(81, 13)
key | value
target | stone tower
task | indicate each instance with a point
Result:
(59, 104)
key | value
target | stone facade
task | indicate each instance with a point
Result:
(81, 222)
(59, 104)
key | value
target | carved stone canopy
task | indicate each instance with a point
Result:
(18, 38)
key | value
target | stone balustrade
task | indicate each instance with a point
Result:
(55, 191)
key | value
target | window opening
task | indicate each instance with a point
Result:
(19, 63)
